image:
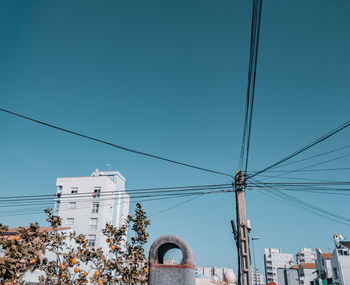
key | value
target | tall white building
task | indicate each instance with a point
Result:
(275, 259)
(306, 255)
(323, 266)
(87, 204)
(257, 278)
(340, 261)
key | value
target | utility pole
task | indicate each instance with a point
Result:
(242, 231)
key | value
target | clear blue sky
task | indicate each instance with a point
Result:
(169, 78)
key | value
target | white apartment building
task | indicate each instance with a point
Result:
(307, 273)
(323, 266)
(306, 255)
(87, 204)
(257, 278)
(340, 261)
(275, 259)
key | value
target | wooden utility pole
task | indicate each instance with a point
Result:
(242, 231)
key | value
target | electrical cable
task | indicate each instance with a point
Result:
(305, 209)
(311, 157)
(257, 35)
(127, 191)
(307, 206)
(253, 58)
(143, 200)
(28, 202)
(175, 206)
(115, 145)
(306, 147)
(309, 166)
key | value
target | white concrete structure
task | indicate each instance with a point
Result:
(288, 276)
(275, 259)
(340, 262)
(323, 266)
(87, 204)
(307, 273)
(306, 255)
(257, 278)
(213, 273)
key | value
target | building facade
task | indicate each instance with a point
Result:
(274, 259)
(212, 273)
(340, 262)
(257, 278)
(306, 255)
(323, 267)
(307, 273)
(288, 276)
(87, 204)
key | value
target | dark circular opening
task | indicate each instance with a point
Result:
(169, 253)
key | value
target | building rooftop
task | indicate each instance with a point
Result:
(308, 265)
(327, 255)
(345, 243)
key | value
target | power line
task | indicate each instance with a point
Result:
(312, 211)
(253, 59)
(293, 178)
(124, 192)
(28, 211)
(309, 166)
(258, 7)
(175, 206)
(115, 145)
(313, 156)
(319, 140)
(306, 206)
(307, 170)
(108, 198)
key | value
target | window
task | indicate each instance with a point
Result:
(335, 273)
(97, 192)
(70, 221)
(340, 252)
(72, 205)
(95, 207)
(74, 190)
(346, 252)
(91, 240)
(93, 224)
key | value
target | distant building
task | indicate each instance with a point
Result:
(323, 267)
(275, 259)
(212, 273)
(306, 255)
(257, 278)
(170, 261)
(86, 204)
(307, 273)
(288, 276)
(340, 261)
